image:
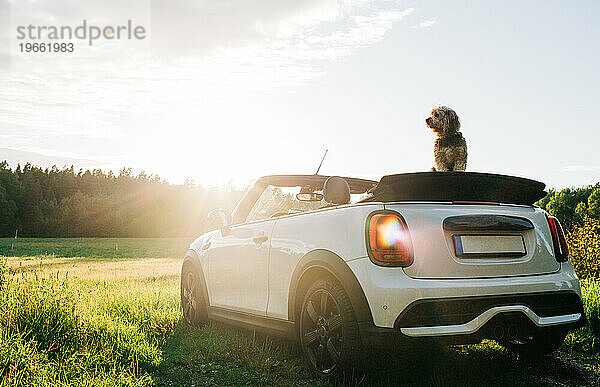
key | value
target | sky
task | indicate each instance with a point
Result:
(228, 91)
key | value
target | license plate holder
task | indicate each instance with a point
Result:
(489, 246)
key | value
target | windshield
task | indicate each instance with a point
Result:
(278, 201)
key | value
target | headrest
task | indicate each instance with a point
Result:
(336, 190)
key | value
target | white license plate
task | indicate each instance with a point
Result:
(481, 246)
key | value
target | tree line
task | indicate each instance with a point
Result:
(53, 202)
(572, 205)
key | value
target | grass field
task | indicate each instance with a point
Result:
(94, 247)
(83, 318)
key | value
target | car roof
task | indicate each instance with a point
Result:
(357, 185)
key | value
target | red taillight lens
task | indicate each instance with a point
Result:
(388, 240)
(561, 250)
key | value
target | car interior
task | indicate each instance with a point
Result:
(304, 192)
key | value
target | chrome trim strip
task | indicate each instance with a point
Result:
(473, 325)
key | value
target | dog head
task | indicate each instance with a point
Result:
(443, 120)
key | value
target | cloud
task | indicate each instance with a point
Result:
(196, 53)
(425, 24)
(363, 31)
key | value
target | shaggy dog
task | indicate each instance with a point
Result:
(450, 149)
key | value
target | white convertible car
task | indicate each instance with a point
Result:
(336, 263)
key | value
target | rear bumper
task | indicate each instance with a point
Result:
(454, 320)
(468, 314)
(468, 310)
(480, 321)
(505, 325)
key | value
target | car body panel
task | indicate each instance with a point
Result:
(238, 267)
(296, 235)
(390, 290)
(434, 247)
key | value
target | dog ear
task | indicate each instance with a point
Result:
(454, 123)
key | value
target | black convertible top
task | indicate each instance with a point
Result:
(457, 186)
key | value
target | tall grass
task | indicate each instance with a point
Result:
(60, 333)
(587, 339)
(124, 332)
(591, 296)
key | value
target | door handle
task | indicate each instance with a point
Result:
(260, 239)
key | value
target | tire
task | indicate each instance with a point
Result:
(536, 346)
(327, 328)
(192, 300)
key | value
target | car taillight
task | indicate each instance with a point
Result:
(561, 250)
(388, 240)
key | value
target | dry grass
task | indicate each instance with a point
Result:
(96, 269)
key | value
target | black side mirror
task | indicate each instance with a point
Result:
(219, 218)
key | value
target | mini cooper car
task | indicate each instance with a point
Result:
(338, 263)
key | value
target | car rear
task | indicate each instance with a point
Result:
(454, 241)
(467, 270)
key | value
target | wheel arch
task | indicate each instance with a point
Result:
(192, 258)
(318, 262)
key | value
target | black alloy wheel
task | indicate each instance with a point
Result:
(328, 329)
(194, 309)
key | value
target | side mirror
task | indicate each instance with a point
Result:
(219, 218)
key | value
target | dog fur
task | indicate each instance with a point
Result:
(450, 148)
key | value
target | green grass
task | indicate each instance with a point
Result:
(67, 330)
(129, 333)
(95, 247)
(587, 339)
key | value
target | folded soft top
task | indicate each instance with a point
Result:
(457, 186)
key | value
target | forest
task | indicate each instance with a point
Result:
(53, 202)
(572, 205)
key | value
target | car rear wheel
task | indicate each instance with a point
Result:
(192, 301)
(328, 329)
(537, 345)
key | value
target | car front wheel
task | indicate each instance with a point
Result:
(328, 329)
(192, 301)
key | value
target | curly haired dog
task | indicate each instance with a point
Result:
(450, 149)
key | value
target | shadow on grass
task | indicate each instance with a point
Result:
(217, 355)
(482, 364)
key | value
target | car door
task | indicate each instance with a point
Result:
(238, 261)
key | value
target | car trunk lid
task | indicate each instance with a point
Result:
(477, 240)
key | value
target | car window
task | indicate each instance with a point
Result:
(277, 201)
